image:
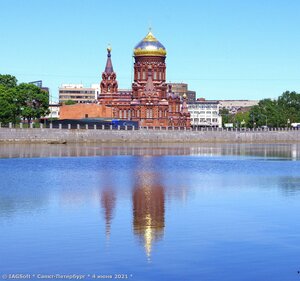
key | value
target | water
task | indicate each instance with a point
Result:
(223, 212)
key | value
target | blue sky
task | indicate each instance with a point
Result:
(223, 49)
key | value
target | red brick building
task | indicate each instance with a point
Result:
(151, 101)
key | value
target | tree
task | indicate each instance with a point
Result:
(276, 113)
(226, 116)
(8, 81)
(9, 109)
(289, 102)
(69, 102)
(242, 119)
(33, 101)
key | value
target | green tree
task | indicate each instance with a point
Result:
(289, 102)
(269, 113)
(69, 102)
(9, 108)
(242, 119)
(226, 116)
(8, 81)
(33, 101)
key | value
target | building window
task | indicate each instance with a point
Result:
(170, 108)
(138, 75)
(159, 74)
(124, 113)
(160, 113)
(120, 114)
(155, 75)
(149, 113)
(144, 74)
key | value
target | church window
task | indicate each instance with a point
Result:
(144, 74)
(124, 114)
(120, 114)
(149, 113)
(138, 75)
(155, 75)
(159, 74)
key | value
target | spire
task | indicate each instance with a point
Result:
(109, 67)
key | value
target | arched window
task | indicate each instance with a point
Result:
(159, 74)
(120, 114)
(155, 75)
(144, 74)
(124, 114)
(138, 75)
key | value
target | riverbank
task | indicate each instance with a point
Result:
(63, 136)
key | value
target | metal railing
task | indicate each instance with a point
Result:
(132, 128)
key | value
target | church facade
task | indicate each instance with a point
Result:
(152, 103)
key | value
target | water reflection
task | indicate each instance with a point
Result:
(148, 201)
(290, 186)
(290, 151)
(108, 203)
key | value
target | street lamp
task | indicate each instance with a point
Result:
(288, 122)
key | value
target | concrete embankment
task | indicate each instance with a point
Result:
(54, 136)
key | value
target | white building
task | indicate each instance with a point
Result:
(235, 105)
(54, 111)
(78, 93)
(205, 114)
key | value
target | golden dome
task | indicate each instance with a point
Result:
(150, 46)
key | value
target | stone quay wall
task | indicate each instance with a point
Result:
(53, 136)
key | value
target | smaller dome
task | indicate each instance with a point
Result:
(150, 46)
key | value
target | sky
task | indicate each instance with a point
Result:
(223, 49)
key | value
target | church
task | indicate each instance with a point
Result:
(151, 102)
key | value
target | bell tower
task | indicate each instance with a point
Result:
(109, 84)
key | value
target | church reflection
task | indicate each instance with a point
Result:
(148, 200)
(108, 202)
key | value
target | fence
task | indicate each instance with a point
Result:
(132, 128)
